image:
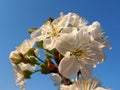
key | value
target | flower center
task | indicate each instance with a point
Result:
(53, 32)
(78, 53)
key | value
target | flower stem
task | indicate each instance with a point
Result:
(65, 80)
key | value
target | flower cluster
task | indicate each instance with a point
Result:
(72, 49)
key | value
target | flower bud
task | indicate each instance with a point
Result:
(51, 66)
(25, 60)
(15, 57)
(27, 74)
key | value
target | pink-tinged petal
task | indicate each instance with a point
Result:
(68, 66)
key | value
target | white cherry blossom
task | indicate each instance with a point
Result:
(15, 57)
(78, 52)
(96, 32)
(77, 21)
(26, 46)
(50, 31)
(90, 84)
(20, 67)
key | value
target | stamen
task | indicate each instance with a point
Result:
(78, 53)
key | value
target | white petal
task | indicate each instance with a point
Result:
(106, 43)
(99, 54)
(49, 43)
(66, 87)
(42, 32)
(65, 43)
(27, 67)
(97, 33)
(40, 38)
(68, 66)
(86, 71)
(77, 21)
(26, 45)
(83, 37)
(62, 21)
(101, 88)
(36, 33)
(72, 30)
(95, 29)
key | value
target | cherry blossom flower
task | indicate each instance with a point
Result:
(19, 67)
(78, 52)
(50, 31)
(90, 84)
(96, 32)
(77, 21)
(95, 29)
(72, 47)
(26, 46)
(15, 57)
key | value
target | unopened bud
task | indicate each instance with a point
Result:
(51, 66)
(27, 74)
(25, 60)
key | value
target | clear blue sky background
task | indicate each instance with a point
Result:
(17, 16)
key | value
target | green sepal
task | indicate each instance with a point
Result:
(33, 61)
(30, 52)
(27, 74)
(32, 30)
(44, 69)
(40, 44)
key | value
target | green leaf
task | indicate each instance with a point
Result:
(40, 44)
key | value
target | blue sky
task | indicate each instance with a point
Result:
(17, 16)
